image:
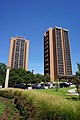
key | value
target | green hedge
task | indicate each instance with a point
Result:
(34, 105)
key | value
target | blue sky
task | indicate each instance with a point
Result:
(31, 18)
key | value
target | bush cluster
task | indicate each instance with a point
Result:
(6, 94)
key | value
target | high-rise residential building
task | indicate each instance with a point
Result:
(57, 58)
(18, 54)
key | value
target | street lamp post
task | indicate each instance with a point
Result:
(32, 76)
(7, 77)
(32, 71)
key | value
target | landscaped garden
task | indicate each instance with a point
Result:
(44, 104)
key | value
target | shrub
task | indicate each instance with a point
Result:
(6, 94)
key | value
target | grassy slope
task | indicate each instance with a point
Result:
(1, 108)
(48, 104)
(50, 101)
(8, 110)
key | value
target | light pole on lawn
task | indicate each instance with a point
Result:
(7, 77)
(32, 76)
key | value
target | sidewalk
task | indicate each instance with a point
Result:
(73, 92)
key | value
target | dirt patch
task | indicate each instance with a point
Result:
(10, 112)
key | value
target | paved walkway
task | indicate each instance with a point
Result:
(73, 91)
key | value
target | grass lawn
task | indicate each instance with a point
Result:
(61, 92)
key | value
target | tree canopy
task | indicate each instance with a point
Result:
(78, 72)
(3, 68)
(20, 75)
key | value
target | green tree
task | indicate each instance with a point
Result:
(77, 76)
(14, 77)
(2, 73)
(29, 77)
(46, 78)
(18, 76)
(38, 78)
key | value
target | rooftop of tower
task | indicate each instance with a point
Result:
(20, 37)
(58, 28)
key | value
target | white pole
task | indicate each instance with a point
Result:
(7, 78)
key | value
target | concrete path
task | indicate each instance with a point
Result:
(73, 91)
